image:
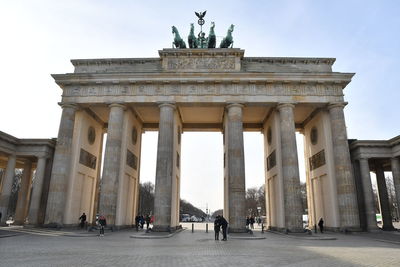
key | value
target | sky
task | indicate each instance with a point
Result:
(39, 38)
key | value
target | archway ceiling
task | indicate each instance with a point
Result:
(206, 117)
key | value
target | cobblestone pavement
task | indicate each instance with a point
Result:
(196, 249)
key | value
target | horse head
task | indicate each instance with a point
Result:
(212, 25)
(174, 29)
(230, 30)
(191, 28)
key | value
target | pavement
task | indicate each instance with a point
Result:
(46, 247)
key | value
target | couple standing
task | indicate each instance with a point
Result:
(218, 223)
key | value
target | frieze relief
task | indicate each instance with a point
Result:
(199, 89)
(200, 63)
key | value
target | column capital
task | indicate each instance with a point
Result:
(336, 105)
(121, 105)
(68, 105)
(285, 104)
(167, 104)
(235, 104)
(42, 156)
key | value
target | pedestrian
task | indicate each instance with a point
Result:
(141, 221)
(217, 227)
(247, 222)
(102, 223)
(83, 220)
(252, 222)
(137, 219)
(321, 225)
(148, 219)
(224, 225)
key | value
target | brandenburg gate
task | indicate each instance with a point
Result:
(201, 90)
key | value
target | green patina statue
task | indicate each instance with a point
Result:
(192, 40)
(211, 36)
(202, 41)
(228, 40)
(178, 41)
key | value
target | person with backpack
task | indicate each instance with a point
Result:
(102, 223)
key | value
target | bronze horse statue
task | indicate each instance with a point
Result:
(178, 41)
(192, 40)
(228, 40)
(211, 37)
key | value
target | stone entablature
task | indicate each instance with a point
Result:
(229, 75)
(26, 147)
(375, 148)
(203, 60)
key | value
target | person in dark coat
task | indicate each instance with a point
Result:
(148, 219)
(321, 225)
(217, 227)
(83, 220)
(224, 225)
(137, 221)
(102, 223)
(252, 222)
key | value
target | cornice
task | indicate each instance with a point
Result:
(168, 52)
(109, 61)
(290, 60)
(234, 77)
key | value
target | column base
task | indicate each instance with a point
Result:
(52, 225)
(238, 230)
(166, 228)
(350, 229)
(389, 228)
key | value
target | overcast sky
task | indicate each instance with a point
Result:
(40, 37)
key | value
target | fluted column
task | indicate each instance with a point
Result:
(37, 191)
(61, 167)
(369, 199)
(7, 186)
(235, 168)
(23, 194)
(395, 163)
(346, 191)
(383, 197)
(290, 169)
(111, 169)
(165, 155)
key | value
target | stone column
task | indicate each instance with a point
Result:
(383, 198)
(369, 198)
(7, 187)
(23, 194)
(395, 163)
(346, 191)
(164, 170)
(37, 191)
(61, 167)
(235, 168)
(290, 170)
(111, 169)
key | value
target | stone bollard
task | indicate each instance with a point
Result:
(192, 227)
(206, 227)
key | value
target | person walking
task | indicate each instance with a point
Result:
(217, 227)
(321, 225)
(148, 219)
(102, 223)
(224, 225)
(251, 222)
(137, 219)
(83, 220)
